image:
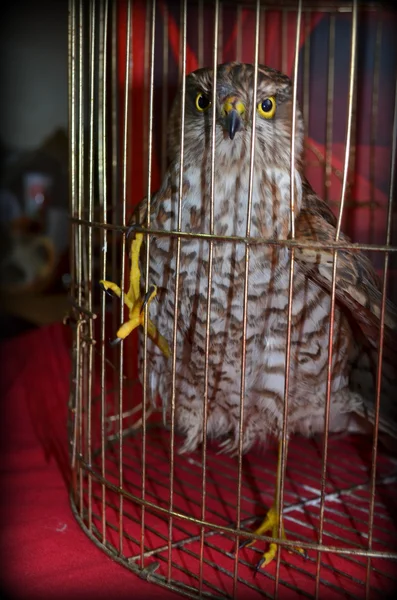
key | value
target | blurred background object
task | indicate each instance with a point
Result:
(34, 226)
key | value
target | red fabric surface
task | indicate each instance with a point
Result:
(45, 554)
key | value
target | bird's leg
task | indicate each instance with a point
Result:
(272, 520)
(135, 303)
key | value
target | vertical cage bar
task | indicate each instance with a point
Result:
(333, 288)
(351, 97)
(80, 195)
(125, 156)
(245, 298)
(209, 294)
(115, 203)
(90, 340)
(73, 202)
(145, 323)
(176, 296)
(282, 456)
(103, 199)
(352, 174)
(380, 352)
(79, 252)
(72, 128)
(82, 199)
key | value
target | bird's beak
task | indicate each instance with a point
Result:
(232, 111)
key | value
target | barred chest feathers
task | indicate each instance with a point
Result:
(268, 270)
(267, 311)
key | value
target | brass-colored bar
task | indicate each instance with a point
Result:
(339, 245)
(245, 299)
(116, 205)
(352, 75)
(333, 289)
(125, 155)
(284, 442)
(89, 275)
(209, 295)
(103, 198)
(228, 474)
(326, 422)
(80, 196)
(72, 85)
(381, 338)
(176, 296)
(145, 324)
(79, 274)
(233, 531)
(294, 117)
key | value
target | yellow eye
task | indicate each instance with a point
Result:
(202, 102)
(267, 107)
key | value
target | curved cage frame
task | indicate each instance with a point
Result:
(174, 520)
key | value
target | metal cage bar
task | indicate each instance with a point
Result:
(179, 520)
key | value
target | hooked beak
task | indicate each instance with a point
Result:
(232, 111)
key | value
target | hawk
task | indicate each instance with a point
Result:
(358, 299)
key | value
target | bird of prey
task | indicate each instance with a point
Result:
(358, 299)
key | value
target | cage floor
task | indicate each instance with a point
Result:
(346, 513)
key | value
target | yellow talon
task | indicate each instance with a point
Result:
(134, 302)
(271, 523)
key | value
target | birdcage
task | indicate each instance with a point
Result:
(179, 520)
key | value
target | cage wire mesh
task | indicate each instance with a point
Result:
(178, 519)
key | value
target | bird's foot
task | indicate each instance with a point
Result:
(135, 303)
(271, 525)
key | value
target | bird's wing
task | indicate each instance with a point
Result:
(357, 287)
(358, 292)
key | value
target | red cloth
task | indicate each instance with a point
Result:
(45, 554)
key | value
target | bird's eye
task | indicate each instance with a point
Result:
(267, 107)
(202, 102)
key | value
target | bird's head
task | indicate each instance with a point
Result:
(234, 107)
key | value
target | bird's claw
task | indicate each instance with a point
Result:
(302, 552)
(107, 291)
(133, 228)
(114, 342)
(133, 300)
(271, 525)
(245, 543)
(148, 297)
